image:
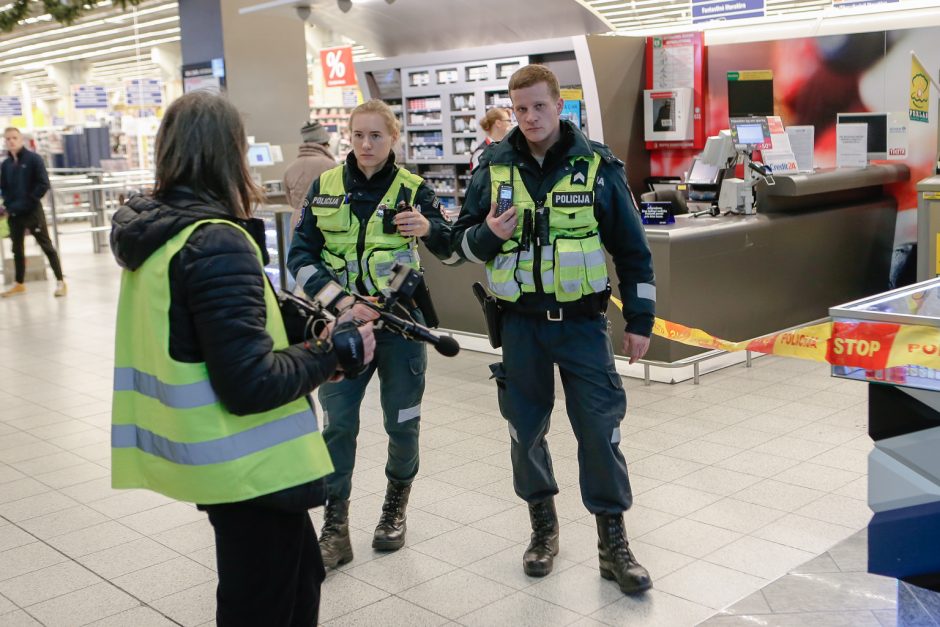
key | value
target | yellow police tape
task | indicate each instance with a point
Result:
(873, 346)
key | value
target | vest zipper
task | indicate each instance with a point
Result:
(537, 267)
(360, 250)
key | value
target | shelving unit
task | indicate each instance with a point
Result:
(441, 105)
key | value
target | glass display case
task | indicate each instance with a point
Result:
(858, 325)
(277, 234)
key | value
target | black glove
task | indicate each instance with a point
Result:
(347, 344)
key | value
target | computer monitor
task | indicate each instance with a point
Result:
(259, 155)
(749, 97)
(702, 173)
(750, 133)
(877, 131)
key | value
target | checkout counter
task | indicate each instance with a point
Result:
(817, 239)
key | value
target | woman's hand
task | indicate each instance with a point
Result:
(412, 223)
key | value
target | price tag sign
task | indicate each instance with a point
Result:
(657, 213)
(337, 64)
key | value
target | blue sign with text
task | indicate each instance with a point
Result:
(144, 92)
(89, 97)
(708, 10)
(11, 106)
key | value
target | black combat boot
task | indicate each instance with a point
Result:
(334, 538)
(616, 559)
(538, 559)
(390, 532)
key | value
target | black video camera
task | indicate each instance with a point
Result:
(406, 284)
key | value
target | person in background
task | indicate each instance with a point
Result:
(313, 159)
(352, 231)
(545, 265)
(211, 401)
(23, 183)
(496, 123)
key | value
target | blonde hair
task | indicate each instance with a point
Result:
(533, 74)
(492, 117)
(379, 108)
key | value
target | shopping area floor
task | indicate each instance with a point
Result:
(738, 481)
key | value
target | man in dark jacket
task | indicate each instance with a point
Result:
(545, 264)
(23, 183)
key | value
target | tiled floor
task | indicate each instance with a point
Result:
(737, 482)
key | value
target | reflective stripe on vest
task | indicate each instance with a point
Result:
(170, 433)
(573, 264)
(340, 229)
(215, 451)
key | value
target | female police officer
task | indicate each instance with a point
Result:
(210, 401)
(352, 232)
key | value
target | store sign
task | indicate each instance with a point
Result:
(860, 3)
(208, 76)
(89, 97)
(337, 64)
(143, 92)
(11, 106)
(708, 10)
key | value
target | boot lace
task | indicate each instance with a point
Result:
(619, 547)
(542, 519)
(332, 519)
(391, 508)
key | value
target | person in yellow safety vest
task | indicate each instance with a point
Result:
(352, 232)
(211, 401)
(545, 265)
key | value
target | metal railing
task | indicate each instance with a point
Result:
(91, 195)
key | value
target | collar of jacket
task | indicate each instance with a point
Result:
(144, 224)
(311, 149)
(354, 178)
(506, 151)
(24, 151)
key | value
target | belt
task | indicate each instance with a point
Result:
(587, 307)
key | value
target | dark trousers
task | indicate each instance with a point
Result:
(401, 365)
(35, 223)
(270, 568)
(594, 398)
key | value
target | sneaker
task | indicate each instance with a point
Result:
(16, 290)
(61, 289)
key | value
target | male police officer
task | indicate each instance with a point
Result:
(546, 266)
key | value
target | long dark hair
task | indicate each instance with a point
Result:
(201, 145)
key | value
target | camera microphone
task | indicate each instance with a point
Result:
(447, 346)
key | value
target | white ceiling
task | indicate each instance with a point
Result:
(114, 43)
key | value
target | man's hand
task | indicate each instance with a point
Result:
(635, 346)
(504, 225)
(412, 224)
(368, 341)
(368, 346)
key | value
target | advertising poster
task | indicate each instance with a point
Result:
(674, 62)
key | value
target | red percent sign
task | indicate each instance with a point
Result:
(338, 66)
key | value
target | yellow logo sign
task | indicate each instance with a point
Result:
(920, 92)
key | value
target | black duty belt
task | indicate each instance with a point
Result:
(586, 307)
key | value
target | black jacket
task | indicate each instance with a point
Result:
(217, 306)
(23, 183)
(619, 224)
(306, 247)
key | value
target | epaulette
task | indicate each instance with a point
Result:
(604, 151)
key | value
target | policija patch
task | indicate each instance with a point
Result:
(327, 202)
(572, 199)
